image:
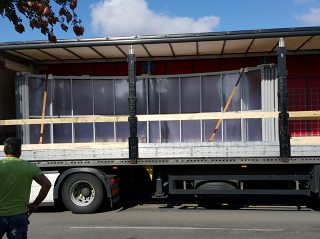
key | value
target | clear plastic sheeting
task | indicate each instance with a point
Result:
(177, 94)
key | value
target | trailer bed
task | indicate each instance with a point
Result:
(113, 154)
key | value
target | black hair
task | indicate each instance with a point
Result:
(12, 146)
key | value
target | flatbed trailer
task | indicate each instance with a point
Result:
(60, 155)
(236, 181)
(262, 163)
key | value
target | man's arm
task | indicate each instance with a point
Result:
(45, 184)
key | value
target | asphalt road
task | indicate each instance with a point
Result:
(186, 221)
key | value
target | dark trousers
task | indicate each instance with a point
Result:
(15, 226)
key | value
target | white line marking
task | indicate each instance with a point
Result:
(182, 228)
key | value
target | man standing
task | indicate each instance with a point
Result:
(16, 177)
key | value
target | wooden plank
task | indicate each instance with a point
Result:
(311, 140)
(208, 116)
(44, 104)
(161, 117)
(65, 120)
(72, 146)
(295, 115)
(304, 115)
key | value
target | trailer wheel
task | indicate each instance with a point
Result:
(214, 185)
(210, 200)
(82, 193)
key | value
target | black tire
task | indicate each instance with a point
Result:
(216, 185)
(82, 193)
(212, 201)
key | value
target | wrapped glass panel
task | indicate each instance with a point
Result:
(121, 96)
(252, 101)
(191, 131)
(61, 97)
(154, 132)
(170, 131)
(142, 132)
(122, 129)
(62, 133)
(82, 97)
(169, 96)
(36, 92)
(153, 100)
(211, 93)
(83, 133)
(254, 130)
(231, 130)
(208, 127)
(228, 83)
(142, 95)
(190, 94)
(103, 97)
(252, 90)
(35, 134)
(104, 132)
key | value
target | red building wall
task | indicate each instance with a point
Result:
(304, 92)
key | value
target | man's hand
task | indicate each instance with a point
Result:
(32, 207)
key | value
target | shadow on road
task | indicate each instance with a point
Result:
(125, 206)
(249, 208)
(46, 209)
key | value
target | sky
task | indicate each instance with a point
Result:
(122, 18)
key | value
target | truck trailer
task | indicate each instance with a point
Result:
(214, 118)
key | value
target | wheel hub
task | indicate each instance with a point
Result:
(82, 193)
(85, 192)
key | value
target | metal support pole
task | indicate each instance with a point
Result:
(159, 190)
(133, 139)
(284, 136)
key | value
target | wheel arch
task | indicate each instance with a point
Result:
(97, 172)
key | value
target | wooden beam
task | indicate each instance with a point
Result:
(304, 115)
(294, 115)
(69, 146)
(44, 104)
(161, 117)
(311, 140)
(66, 120)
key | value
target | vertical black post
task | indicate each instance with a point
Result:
(284, 136)
(133, 139)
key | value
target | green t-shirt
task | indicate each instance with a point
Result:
(16, 177)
